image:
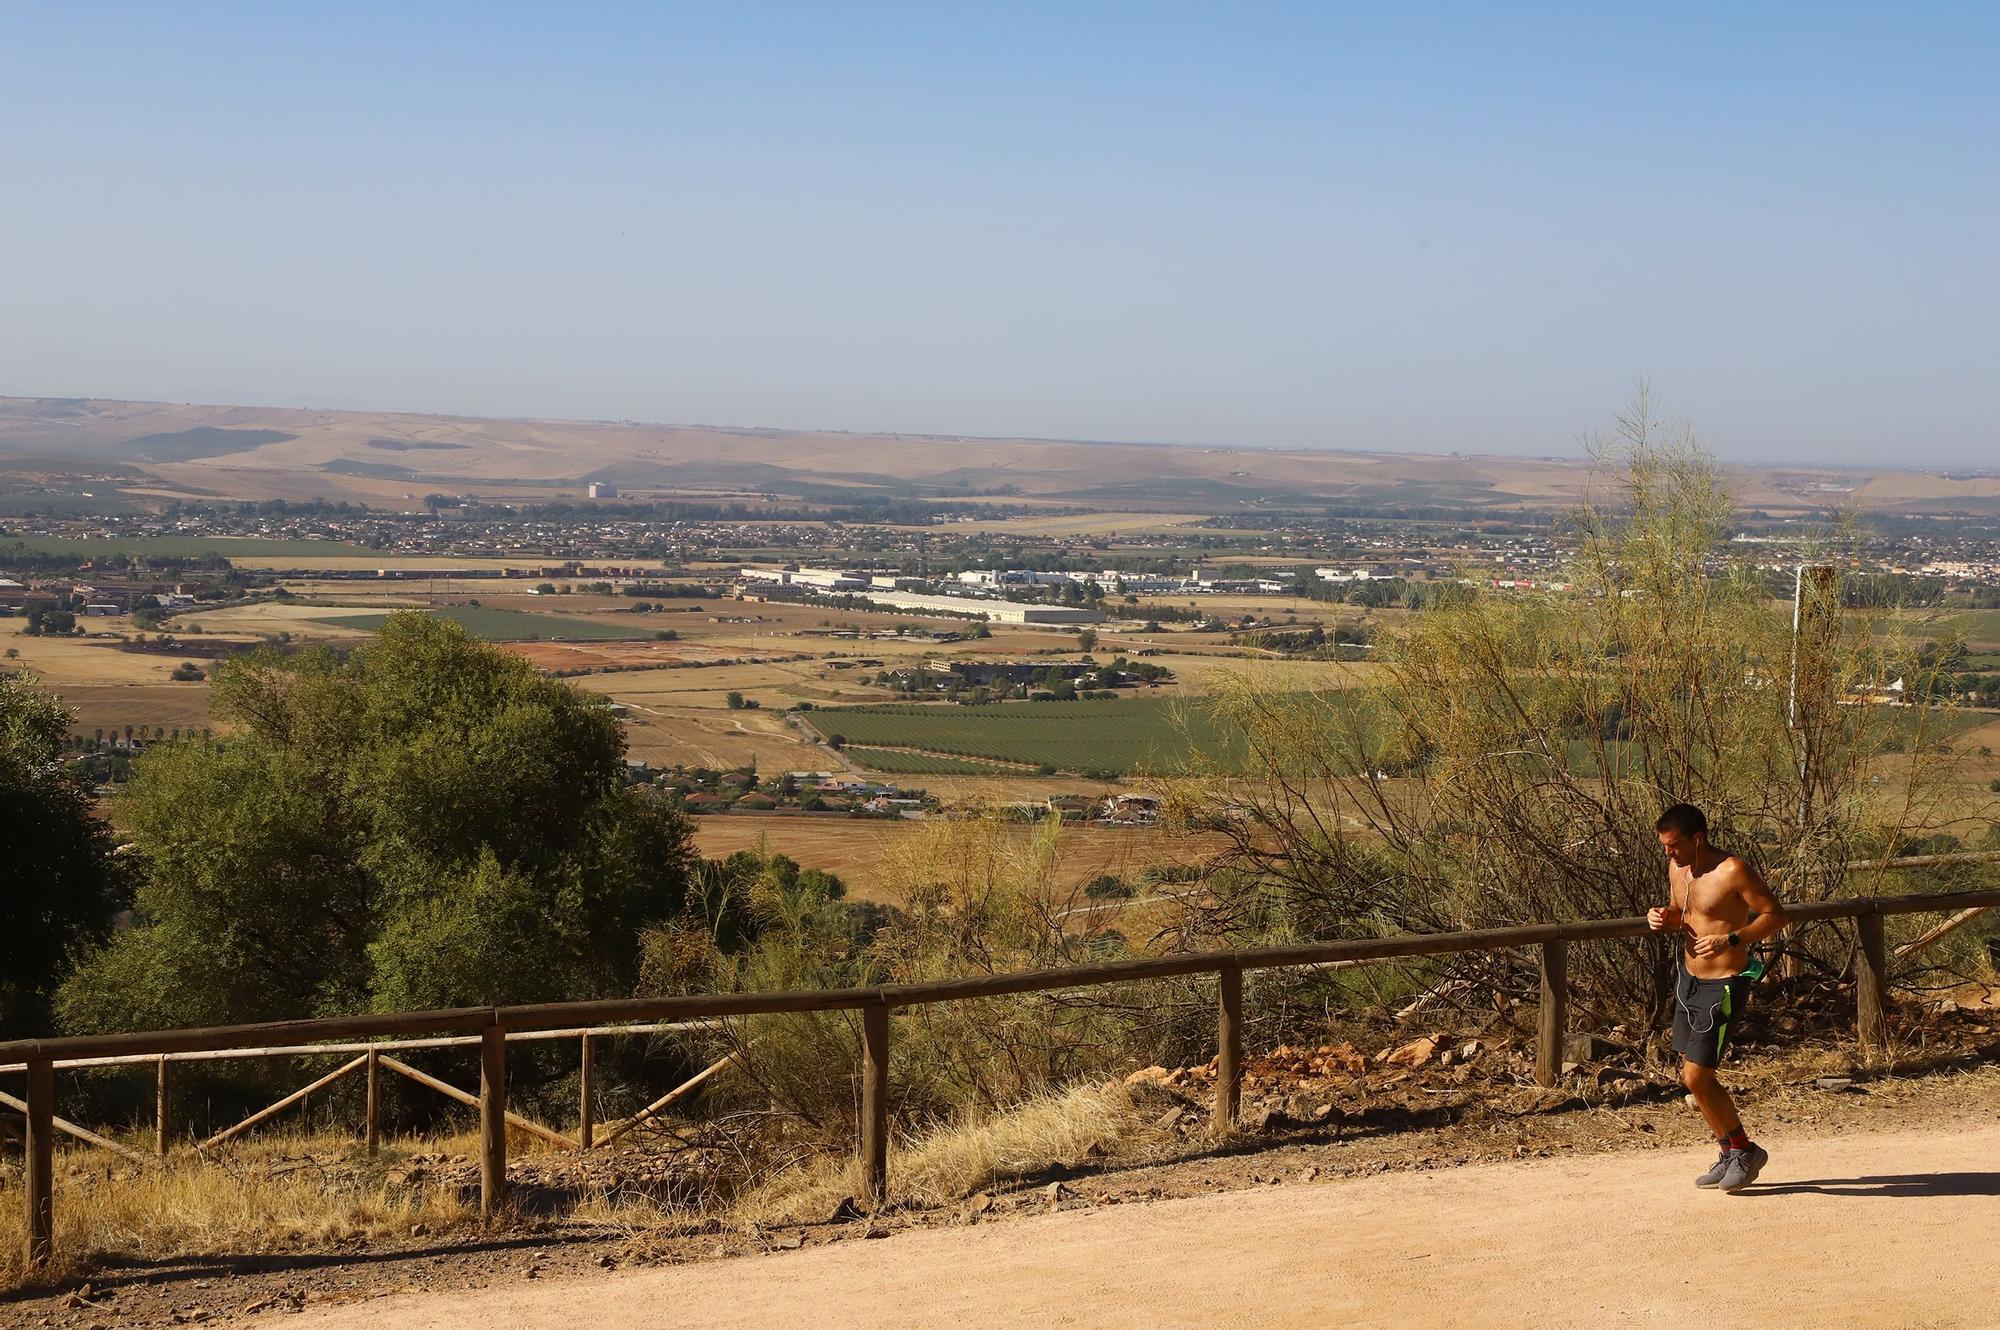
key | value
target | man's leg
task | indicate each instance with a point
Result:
(1741, 1159)
(1717, 1109)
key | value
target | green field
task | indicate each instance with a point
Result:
(1137, 734)
(174, 547)
(506, 625)
(922, 764)
(1974, 626)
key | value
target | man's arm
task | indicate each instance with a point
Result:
(1769, 915)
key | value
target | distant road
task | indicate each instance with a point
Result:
(1863, 1230)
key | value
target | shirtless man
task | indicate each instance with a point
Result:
(1721, 908)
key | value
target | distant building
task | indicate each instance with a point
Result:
(820, 579)
(600, 490)
(999, 611)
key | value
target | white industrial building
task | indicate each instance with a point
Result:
(819, 579)
(1015, 577)
(999, 611)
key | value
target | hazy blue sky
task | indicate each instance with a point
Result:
(1405, 226)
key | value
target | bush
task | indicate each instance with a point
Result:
(1568, 722)
(1108, 886)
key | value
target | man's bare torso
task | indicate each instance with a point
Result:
(1711, 903)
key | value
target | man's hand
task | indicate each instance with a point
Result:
(1662, 917)
(1712, 945)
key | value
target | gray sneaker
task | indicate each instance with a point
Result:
(1742, 1168)
(1714, 1174)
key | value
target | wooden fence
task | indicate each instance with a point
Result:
(492, 1027)
(375, 1057)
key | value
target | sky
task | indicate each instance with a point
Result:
(1408, 226)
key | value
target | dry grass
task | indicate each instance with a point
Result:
(1089, 1123)
(275, 1193)
(310, 1191)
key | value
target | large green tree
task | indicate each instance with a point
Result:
(58, 886)
(424, 822)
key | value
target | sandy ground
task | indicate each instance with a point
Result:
(1861, 1230)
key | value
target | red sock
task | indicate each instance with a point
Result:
(1738, 1139)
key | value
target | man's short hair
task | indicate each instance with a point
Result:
(1684, 818)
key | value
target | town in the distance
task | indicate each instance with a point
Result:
(794, 634)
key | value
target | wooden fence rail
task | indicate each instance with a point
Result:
(492, 1027)
(373, 1056)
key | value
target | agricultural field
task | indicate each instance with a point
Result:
(498, 625)
(1132, 734)
(1975, 627)
(904, 762)
(867, 853)
(142, 707)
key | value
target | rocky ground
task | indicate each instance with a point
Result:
(1459, 1092)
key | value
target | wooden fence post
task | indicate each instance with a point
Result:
(40, 1162)
(1228, 1048)
(371, 1121)
(875, 1102)
(492, 1120)
(1871, 989)
(160, 1108)
(586, 1109)
(1554, 1013)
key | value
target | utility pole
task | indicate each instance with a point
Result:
(1813, 586)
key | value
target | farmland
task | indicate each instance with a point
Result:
(1975, 626)
(904, 762)
(872, 855)
(496, 625)
(1137, 734)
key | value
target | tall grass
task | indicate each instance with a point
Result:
(283, 1191)
(1091, 1123)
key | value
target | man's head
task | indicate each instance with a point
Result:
(1683, 832)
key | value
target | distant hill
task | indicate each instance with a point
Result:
(242, 452)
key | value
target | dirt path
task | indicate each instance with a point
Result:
(1877, 1229)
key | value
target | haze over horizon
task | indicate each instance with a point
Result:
(1457, 230)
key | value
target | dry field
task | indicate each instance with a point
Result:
(113, 707)
(857, 849)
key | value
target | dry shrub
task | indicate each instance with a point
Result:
(1509, 761)
(1092, 1123)
(978, 899)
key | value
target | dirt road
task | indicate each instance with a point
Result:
(1858, 1230)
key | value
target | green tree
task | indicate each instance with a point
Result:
(58, 886)
(426, 823)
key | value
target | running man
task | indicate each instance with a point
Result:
(1721, 907)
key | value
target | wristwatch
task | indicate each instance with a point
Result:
(1735, 941)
